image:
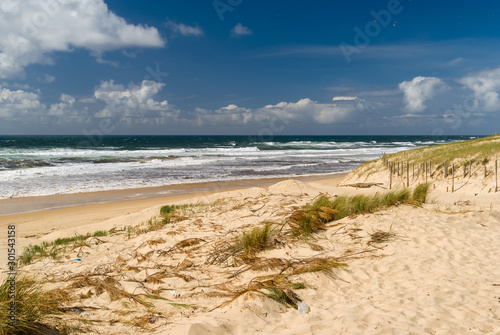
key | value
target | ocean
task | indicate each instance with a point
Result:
(48, 165)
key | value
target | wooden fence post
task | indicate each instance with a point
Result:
(445, 170)
(452, 177)
(430, 169)
(496, 176)
(390, 177)
(407, 174)
(426, 168)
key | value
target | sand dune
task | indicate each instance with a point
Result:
(435, 271)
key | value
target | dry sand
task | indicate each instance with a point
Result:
(436, 273)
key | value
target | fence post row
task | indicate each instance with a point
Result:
(427, 169)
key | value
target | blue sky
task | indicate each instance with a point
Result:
(249, 67)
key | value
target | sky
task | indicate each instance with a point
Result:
(241, 67)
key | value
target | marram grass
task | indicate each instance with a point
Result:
(479, 150)
(255, 240)
(313, 217)
(54, 248)
(34, 306)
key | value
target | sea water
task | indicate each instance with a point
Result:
(47, 165)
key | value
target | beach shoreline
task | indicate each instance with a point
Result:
(74, 212)
(25, 205)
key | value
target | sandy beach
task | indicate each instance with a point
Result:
(246, 167)
(435, 272)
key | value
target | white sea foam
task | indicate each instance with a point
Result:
(73, 170)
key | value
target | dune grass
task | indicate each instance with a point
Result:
(34, 307)
(420, 193)
(55, 248)
(176, 213)
(481, 150)
(255, 240)
(184, 208)
(313, 217)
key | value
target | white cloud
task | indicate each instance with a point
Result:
(303, 111)
(485, 86)
(20, 86)
(64, 108)
(134, 101)
(33, 29)
(340, 98)
(240, 30)
(26, 106)
(419, 90)
(19, 103)
(185, 30)
(308, 110)
(230, 115)
(455, 61)
(47, 78)
(134, 104)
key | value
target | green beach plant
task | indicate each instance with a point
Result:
(479, 151)
(314, 217)
(35, 307)
(255, 240)
(54, 248)
(420, 193)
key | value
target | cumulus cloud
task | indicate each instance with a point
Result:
(33, 29)
(19, 103)
(302, 111)
(27, 106)
(132, 102)
(226, 116)
(485, 86)
(240, 30)
(308, 110)
(64, 108)
(419, 90)
(185, 30)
